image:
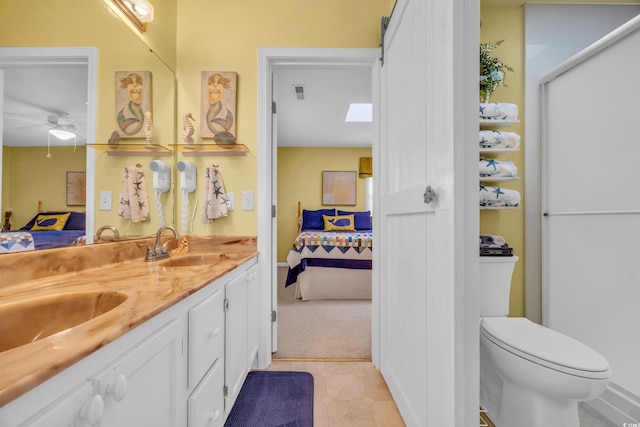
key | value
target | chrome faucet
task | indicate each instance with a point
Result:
(160, 251)
(111, 228)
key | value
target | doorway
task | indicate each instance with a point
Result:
(38, 58)
(271, 60)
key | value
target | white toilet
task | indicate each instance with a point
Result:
(530, 376)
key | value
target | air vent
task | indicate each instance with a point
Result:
(299, 90)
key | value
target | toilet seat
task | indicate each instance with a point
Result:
(545, 346)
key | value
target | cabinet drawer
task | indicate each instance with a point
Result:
(206, 335)
(206, 403)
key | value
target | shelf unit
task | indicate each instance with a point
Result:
(133, 149)
(211, 149)
(486, 124)
(499, 178)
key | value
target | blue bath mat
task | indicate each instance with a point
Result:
(274, 399)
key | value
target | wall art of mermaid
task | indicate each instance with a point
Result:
(133, 99)
(218, 106)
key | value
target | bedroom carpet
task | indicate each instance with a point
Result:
(324, 329)
(274, 399)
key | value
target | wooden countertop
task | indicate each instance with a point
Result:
(150, 288)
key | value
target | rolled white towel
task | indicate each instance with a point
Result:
(497, 196)
(496, 139)
(498, 111)
(497, 168)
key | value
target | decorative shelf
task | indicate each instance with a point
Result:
(499, 178)
(133, 149)
(498, 150)
(498, 208)
(489, 124)
(211, 149)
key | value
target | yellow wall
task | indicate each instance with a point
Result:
(300, 180)
(225, 36)
(506, 22)
(30, 177)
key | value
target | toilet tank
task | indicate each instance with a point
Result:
(495, 284)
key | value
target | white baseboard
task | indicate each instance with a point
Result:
(282, 264)
(617, 405)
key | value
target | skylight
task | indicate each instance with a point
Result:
(359, 113)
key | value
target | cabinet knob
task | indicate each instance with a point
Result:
(118, 389)
(215, 332)
(214, 415)
(92, 411)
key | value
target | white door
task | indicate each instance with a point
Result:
(427, 343)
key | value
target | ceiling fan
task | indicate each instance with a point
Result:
(60, 125)
(63, 126)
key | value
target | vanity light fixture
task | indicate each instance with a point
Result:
(139, 12)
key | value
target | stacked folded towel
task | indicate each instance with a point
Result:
(495, 139)
(497, 168)
(499, 111)
(493, 245)
(496, 196)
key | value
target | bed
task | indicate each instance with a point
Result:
(49, 230)
(332, 255)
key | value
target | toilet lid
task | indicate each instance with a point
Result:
(545, 346)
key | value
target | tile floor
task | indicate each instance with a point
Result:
(349, 394)
(354, 394)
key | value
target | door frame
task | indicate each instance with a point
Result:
(268, 58)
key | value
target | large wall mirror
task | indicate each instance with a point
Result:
(76, 54)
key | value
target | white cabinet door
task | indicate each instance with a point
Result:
(140, 388)
(253, 291)
(236, 368)
(206, 403)
(70, 410)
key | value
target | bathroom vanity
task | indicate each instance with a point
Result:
(174, 352)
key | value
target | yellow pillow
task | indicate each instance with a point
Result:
(338, 223)
(50, 222)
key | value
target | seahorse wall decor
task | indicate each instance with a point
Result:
(147, 127)
(187, 136)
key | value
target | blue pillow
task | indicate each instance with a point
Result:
(76, 221)
(312, 220)
(362, 219)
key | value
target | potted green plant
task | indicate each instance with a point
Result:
(492, 70)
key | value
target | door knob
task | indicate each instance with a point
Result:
(429, 195)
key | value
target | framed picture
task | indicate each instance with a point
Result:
(338, 188)
(76, 188)
(218, 94)
(133, 99)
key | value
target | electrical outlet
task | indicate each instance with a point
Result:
(231, 202)
(105, 200)
(247, 200)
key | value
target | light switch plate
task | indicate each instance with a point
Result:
(247, 201)
(105, 200)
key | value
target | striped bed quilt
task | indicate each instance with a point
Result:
(351, 250)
